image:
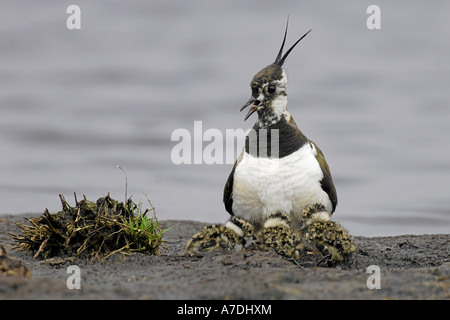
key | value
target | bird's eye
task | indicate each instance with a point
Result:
(271, 88)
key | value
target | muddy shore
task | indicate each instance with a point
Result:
(411, 267)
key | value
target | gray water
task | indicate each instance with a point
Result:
(74, 104)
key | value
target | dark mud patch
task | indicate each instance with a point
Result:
(411, 266)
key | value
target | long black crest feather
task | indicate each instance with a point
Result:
(282, 44)
(280, 59)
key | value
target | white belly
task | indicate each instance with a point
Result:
(264, 185)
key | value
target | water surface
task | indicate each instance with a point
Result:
(74, 104)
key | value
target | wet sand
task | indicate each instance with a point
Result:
(411, 267)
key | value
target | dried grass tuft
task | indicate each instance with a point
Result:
(92, 230)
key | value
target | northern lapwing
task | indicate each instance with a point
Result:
(280, 193)
(287, 178)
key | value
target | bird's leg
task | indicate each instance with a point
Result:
(295, 261)
(327, 257)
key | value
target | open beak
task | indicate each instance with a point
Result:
(252, 101)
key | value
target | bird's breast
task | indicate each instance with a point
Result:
(289, 184)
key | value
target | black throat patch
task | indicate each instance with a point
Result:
(275, 141)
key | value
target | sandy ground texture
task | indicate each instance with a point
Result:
(411, 267)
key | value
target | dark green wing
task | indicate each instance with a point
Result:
(228, 190)
(327, 181)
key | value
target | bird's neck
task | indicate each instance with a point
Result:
(276, 140)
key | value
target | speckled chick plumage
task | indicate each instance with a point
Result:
(319, 235)
(230, 237)
(326, 237)
(278, 235)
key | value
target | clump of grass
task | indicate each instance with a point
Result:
(141, 227)
(92, 230)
